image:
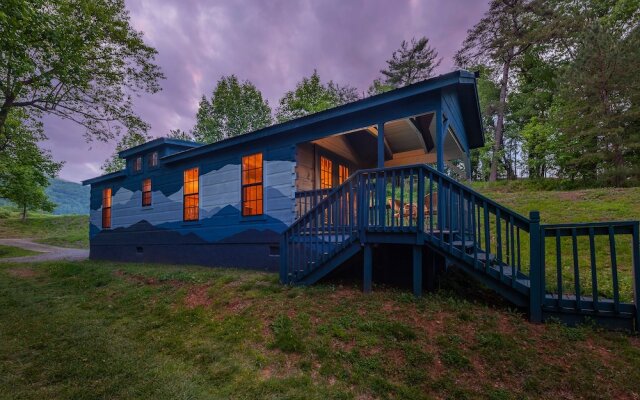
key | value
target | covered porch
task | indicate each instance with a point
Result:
(427, 138)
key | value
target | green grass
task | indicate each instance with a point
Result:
(11, 251)
(64, 230)
(89, 330)
(587, 205)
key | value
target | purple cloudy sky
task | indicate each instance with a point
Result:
(273, 43)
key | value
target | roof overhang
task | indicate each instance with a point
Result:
(104, 178)
(465, 82)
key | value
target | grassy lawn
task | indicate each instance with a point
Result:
(63, 231)
(10, 251)
(589, 205)
(107, 330)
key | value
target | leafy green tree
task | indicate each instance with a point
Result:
(311, 96)
(129, 140)
(504, 34)
(25, 169)
(235, 108)
(77, 59)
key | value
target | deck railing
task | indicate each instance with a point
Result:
(306, 200)
(465, 224)
(591, 267)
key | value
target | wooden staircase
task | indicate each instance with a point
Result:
(572, 272)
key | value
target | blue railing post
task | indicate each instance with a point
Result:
(535, 269)
(283, 259)
(635, 242)
(367, 278)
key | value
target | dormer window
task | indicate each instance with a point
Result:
(153, 159)
(137, 164)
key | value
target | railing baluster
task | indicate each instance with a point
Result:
(576, 267)
(463, 236)
(430, 204)
(410, 198)
(499, 242)
(402, 202)
(474, 207)
(559, 267)
(514, 272)
(487, 236)
(594, 272)
(450, 216)
(393, 199)
(614, 270)
(420, 207)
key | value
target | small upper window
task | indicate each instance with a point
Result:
(153, 159)
(146, 192)
(137, 164)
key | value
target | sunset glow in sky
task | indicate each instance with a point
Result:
(271, 43)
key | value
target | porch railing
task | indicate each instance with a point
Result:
(464, 224)
(306, 200)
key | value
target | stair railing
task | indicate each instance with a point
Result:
(325, 229)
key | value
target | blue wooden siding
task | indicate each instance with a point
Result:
(451, 108)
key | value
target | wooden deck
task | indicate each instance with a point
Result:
(420, 207)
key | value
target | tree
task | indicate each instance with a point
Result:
(129, 140)
(180, 134)
(235, 108)
(77, 59)
(503, 34)
(412, 62)
(25, 169)
(311, 96)
(598, 106)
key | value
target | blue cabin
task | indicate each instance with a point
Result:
(370, 185)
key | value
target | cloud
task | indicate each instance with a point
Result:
(271, 43)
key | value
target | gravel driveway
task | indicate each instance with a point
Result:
(49, 253)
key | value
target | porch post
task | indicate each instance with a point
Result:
(381, 145)
(417, 271)
(368, 267)
(440, 140)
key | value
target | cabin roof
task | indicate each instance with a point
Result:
(107, 177)
(464, 82)
(186, 144)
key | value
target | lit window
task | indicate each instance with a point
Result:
(252, 189)
(326, 173)
(146, 192)
(106, 208)
(153, 159)
(137, 164)
(190, 212)
(343, 173)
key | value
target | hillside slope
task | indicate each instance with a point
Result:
(71, 197)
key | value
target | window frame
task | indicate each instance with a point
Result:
(323, 172)
(146, 193)
(337, 162)
(106, 209)
(244, 185)
(153, 156)
(137, 165)
(191, 195)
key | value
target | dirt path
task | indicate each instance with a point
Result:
(49, 253)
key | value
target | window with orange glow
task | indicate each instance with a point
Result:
(343, 173)
(326, 173)
(146, 192)
(252, 189)
(190, 203)
(106, 208)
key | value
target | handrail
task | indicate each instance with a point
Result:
(491, 238)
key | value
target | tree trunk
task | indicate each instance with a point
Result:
(497, 146)
(24, 212)
(4, 114)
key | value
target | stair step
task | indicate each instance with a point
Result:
(467, 243)
(482, 256)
